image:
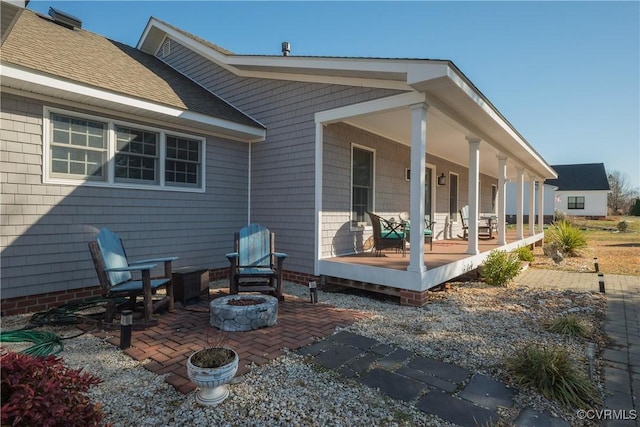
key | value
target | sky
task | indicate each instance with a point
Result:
(566, 75)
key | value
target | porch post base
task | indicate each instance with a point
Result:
(414, 298)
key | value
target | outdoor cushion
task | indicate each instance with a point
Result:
(388, 233)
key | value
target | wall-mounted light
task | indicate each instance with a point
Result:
(442, 180)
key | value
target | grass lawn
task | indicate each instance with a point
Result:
(617, 252)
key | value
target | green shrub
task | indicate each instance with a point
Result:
(500, 268)
(524, 254)
(622, 226)
(552, 372)
(41, 391)
(569, 324)
(566, 237)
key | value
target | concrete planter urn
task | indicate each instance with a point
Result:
(211, 369)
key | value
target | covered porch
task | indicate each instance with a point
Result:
(428, 152)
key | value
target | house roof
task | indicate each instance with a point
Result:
(39, 47)
(439, 83)
(580, 177)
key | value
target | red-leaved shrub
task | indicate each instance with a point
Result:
(41, 391)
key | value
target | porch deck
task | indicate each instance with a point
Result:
(444, 252)
(389, 273)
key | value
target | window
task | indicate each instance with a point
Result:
(183, 161)
(78, 147)
(453, 197)
(575, 202)
(361, 184)
(95, 151)
(428, 191)
(494, 198)
(136, 155)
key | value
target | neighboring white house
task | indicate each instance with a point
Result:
(548, 205)
(581, 189)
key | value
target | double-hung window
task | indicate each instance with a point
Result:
(136, 155)
(182, 161)
(97, 151)
(575, 202)
(78, 147)
(361, 184)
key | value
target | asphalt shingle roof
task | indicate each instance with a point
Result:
(37, 43)
(580, 177)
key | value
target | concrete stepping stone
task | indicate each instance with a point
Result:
(382, 349)
(395, 359)
(456, 410)
(314, 349)
(362, 364)
(485, 391)
(393, 385)
(428, 379)
(336, 356)
(355, 340)
(529, 417)
(440, 369)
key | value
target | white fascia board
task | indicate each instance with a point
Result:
(496, 116)
(392, 66)
(145, 33)
(374, 106)
(233, 62)
(419, 76)
(36, 79)
(206, 51)
(326, 79)
(17, 3)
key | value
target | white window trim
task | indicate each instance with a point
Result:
(364, 226)
(109, 180)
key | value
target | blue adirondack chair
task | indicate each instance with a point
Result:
(116, 279)
(255, 265)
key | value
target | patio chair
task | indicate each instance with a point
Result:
(484, 230)
(387, 234)
(428, 228)
(115, 276)
(255, 265)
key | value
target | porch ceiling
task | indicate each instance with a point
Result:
(445, 139)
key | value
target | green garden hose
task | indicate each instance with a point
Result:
(45, 342)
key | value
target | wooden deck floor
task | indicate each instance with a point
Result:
(444, 252)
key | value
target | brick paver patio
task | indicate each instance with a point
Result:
(178, 334)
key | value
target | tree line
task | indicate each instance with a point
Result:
(624, 197)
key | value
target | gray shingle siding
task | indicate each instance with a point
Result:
(283, 184)
(45, 228)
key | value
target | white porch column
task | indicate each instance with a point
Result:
(474, 180)
(318, 198)
(502, 200)
(532, 205)
(520, 204)
(416, 205)
(541, 205)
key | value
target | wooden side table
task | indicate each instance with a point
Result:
(189, 283)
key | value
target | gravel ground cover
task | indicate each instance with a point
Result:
(469, 324)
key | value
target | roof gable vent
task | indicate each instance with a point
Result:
(64, 19)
